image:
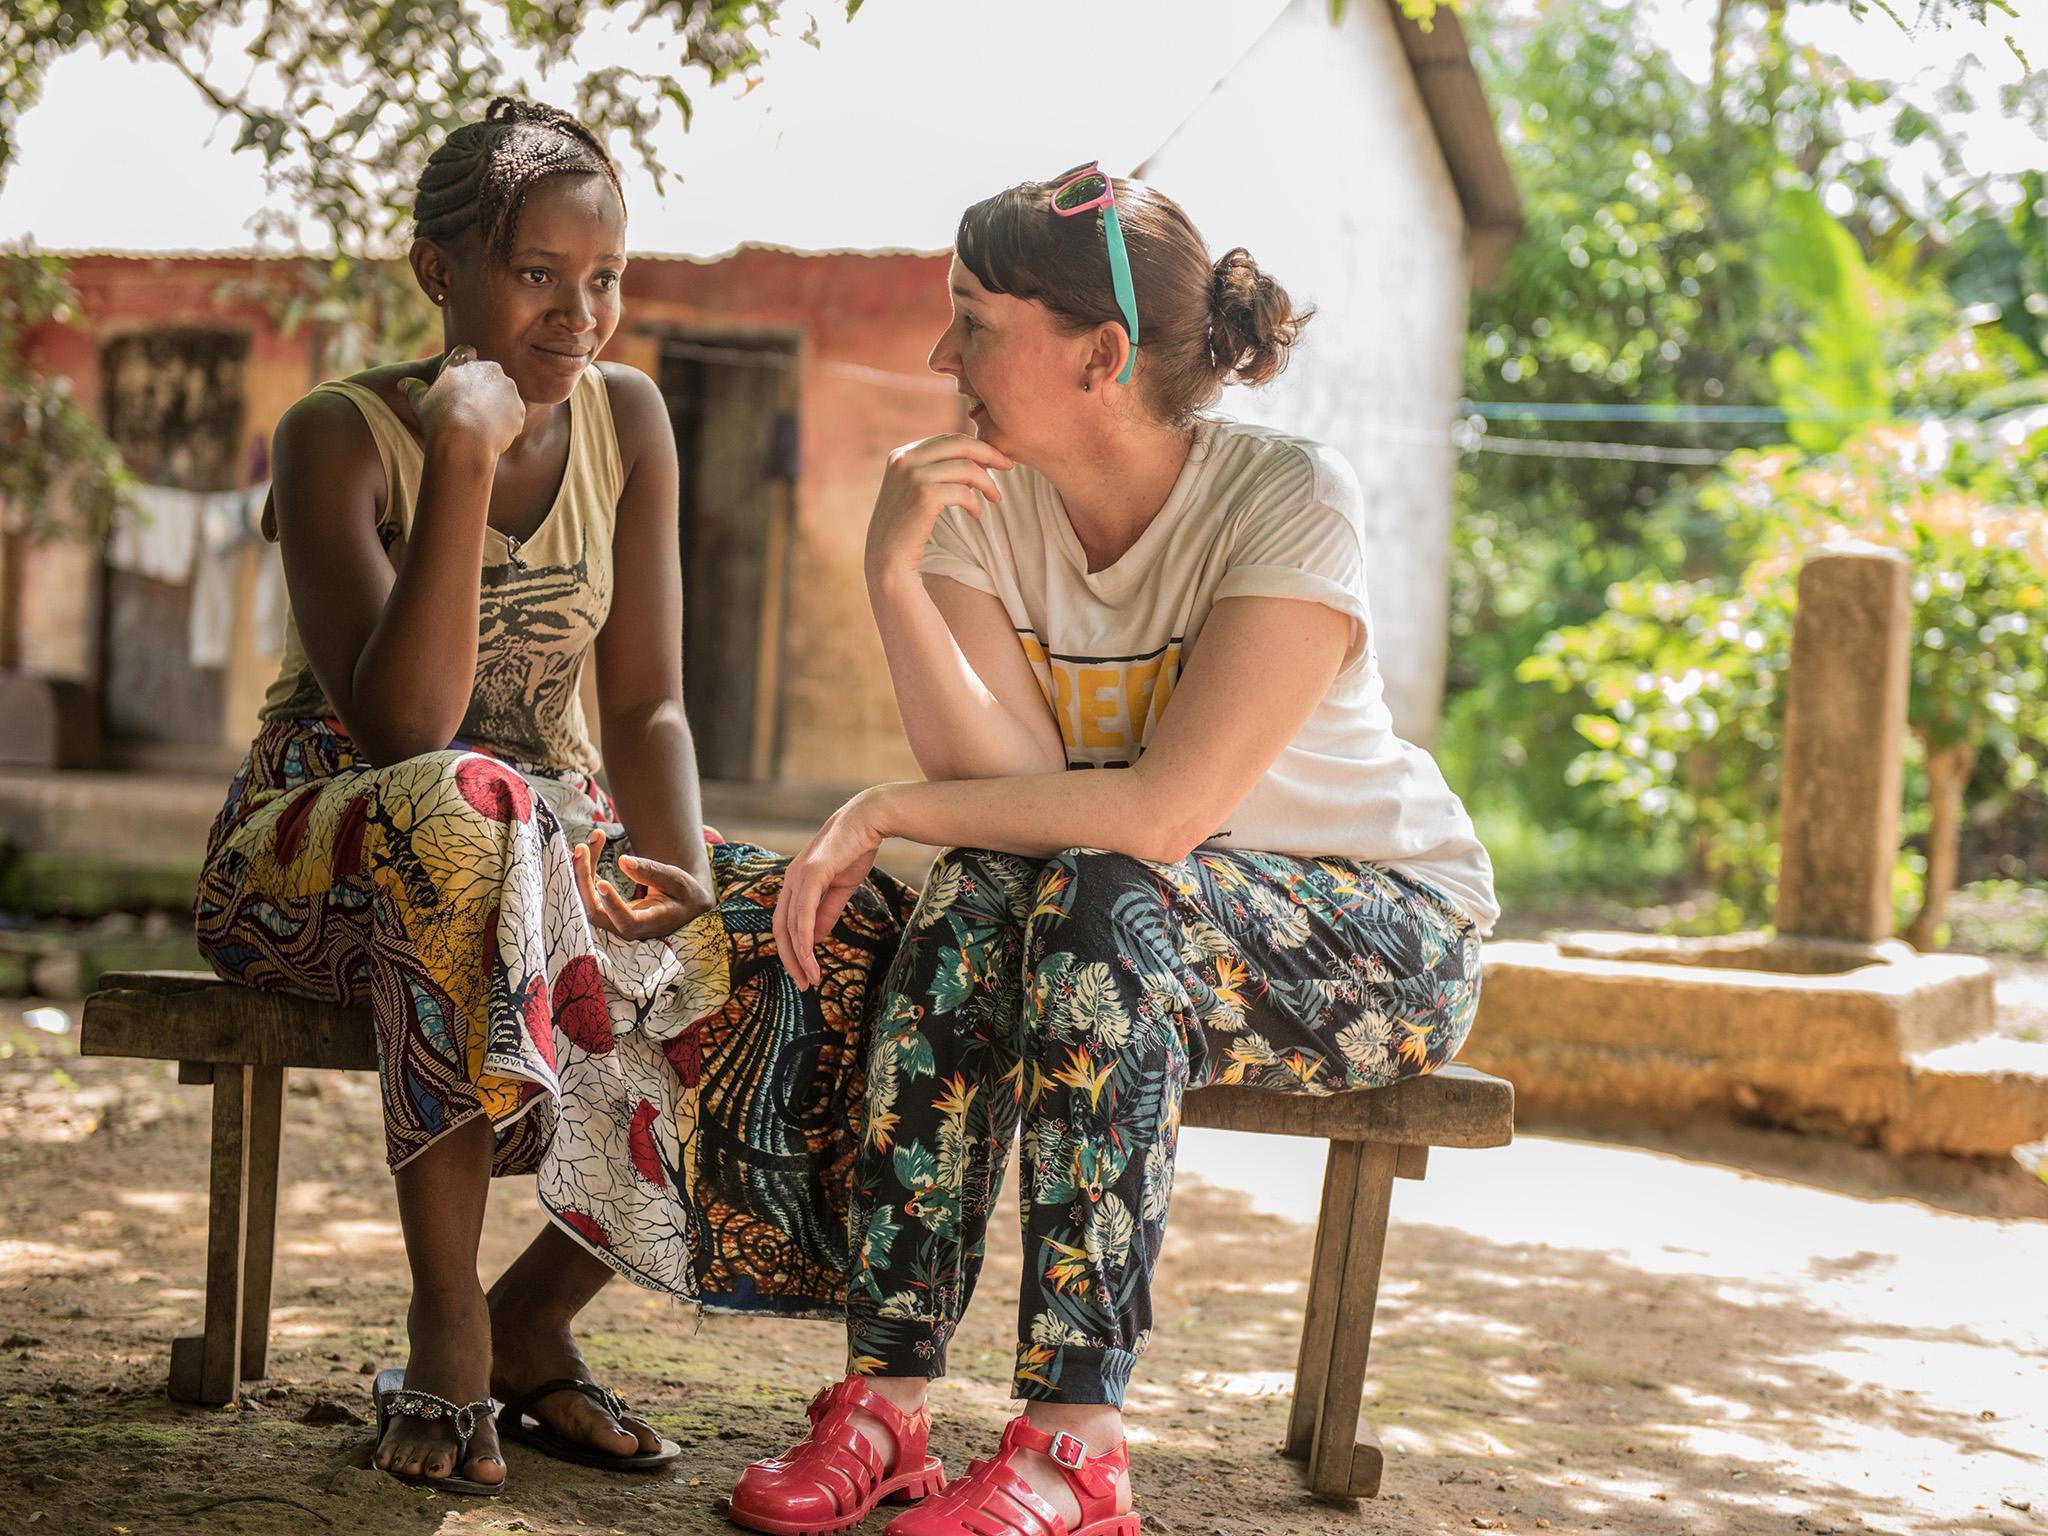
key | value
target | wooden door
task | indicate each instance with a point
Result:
(731, 405)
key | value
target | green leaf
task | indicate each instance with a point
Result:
(1598, 729)
(951, 982)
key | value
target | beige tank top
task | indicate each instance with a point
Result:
(543, 601)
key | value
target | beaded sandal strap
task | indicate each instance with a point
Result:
(413, 1404)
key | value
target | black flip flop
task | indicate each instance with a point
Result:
(518, 1421)
(395, 1400)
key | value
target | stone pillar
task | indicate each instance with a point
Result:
(1844, 755)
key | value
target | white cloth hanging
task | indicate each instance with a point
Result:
(160, 537)
(269, 603)
(223, 530)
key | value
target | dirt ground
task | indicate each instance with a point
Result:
(1741, 1332)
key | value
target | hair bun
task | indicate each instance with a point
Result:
(1252, 322)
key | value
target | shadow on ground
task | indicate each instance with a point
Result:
(1519, 1387)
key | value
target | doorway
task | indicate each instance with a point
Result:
(172, 403)
(732, 404)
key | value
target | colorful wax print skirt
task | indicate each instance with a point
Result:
(690, 1116)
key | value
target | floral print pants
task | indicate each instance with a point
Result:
(1078, 998)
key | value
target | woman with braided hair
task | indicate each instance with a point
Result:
(418, 827)
(1258, 882)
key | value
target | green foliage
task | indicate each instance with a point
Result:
(1680, 714)
(1836, 376)
(2003, 917)
(1678, 261)
(2005, 263)
(1548, 866)
(347, 97)
(1678, 685)
(55, 464)
(344, 100)
(1634, 285)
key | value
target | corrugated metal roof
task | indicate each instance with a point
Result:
(1463, 119)
(68, 253)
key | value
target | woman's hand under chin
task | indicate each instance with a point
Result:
(472, 399)
(819, 882)
(920, 482)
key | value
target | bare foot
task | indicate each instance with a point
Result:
(451, 1357)
(531, 1344)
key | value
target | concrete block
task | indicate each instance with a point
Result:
(142, 818)
(1663, 1029)
(46, 725)
(1845, 729)
(1979, 1099)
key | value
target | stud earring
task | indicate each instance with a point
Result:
(440, 298)
(1086, 386)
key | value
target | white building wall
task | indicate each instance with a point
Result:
(1315, 154)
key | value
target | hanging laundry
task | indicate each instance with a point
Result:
(160, 536)
(268, 603)
(223, 531)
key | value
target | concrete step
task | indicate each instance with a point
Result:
(1612, 997)
(1903, 1050)
(132, 818)
(1980, 1098)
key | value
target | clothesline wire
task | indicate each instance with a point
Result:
(1560, 448)
(1468, 435)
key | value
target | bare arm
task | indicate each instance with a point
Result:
(1259, 670)
(1261, 666)
(650, 759)
(970, 705)
(395, 653)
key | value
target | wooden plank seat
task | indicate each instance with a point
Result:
(244, 1042)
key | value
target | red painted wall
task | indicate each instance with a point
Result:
(854, 320)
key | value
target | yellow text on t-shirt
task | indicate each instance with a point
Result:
(1106, 705)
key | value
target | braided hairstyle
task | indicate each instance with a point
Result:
(481, 174)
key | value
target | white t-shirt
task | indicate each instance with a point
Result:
(1254, 513)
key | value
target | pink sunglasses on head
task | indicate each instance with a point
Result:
(1083, 190)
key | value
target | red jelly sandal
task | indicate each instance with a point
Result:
(995, 1499)
(835, 1477)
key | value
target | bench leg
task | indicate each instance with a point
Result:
(1344, 1458)
(206, 1367)
(1319, 1315)
(266, 1145)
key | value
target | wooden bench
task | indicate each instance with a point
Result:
(244, 1042)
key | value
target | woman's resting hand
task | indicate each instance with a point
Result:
(818, 884)
(673, 900)
(471, 399)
